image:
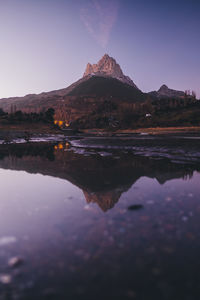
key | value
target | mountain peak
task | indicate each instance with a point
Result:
(163, 87)
(108, 60)
(107, 66)
(107, 56)
(165, 91)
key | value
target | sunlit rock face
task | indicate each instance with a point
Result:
(105, 199)
(107, 66)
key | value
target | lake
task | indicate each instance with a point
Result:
(100, 218)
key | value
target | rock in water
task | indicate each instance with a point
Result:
(15, 262)
(5, 279)
(135, 207)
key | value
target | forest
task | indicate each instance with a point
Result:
(157, 113)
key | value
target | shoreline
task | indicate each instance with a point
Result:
(148, 130)
(11, 133)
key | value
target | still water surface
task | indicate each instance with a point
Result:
(98, 224)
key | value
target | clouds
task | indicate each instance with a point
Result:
(99, 17)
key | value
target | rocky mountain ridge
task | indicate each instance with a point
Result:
(107, 66)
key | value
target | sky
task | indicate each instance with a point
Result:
(46, 44)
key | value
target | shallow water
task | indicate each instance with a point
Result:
(100, 223)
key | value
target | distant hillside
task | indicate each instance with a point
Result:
(165, 92)
(37, 102)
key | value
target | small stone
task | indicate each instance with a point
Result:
(135, 207)
(5, 278)
(15, 262)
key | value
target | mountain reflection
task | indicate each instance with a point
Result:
(102, 178)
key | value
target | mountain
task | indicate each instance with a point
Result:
(103, 97)
(106, 86)
(107, 66)
(165, 92)
(101, 82)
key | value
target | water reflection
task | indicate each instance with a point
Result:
(102, 176)
(72, 250)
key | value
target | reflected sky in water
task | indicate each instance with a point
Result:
(66, 214)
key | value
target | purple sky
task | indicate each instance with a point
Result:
(46, 44)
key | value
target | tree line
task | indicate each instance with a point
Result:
(33, 117)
